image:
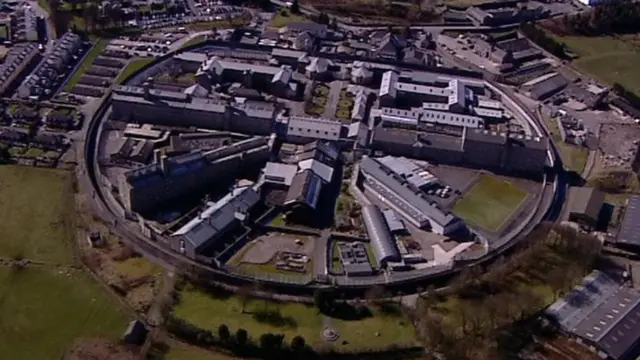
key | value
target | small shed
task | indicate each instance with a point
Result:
(584, 205)
(136, 333)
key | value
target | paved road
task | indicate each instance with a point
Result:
(51, 32)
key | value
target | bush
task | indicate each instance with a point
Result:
(297, 343)
(224, 333)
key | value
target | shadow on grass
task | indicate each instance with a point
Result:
(389, 309)
(274, 318)
(348, 312)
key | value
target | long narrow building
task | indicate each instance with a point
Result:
(382, 242)
(144, 188)
(405, 198)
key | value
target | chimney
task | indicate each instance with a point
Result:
(164, 163)
(157, 156)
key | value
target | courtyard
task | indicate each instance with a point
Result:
(489, 203)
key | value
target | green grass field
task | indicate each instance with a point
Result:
(44, 309)
(284, 18)
(609, 59)
(133, 66)
(489, 203)
(37, 214)
(86, 64)
(290, 319)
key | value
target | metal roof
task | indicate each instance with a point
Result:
(404, 195)
(382, 241)
(395, 224)
(408, 170)
(279, 173)
(629, 233)
(601, 311)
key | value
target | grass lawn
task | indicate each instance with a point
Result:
(284, 18)
(489, 203)
(138, 267)
(609, 59)
(33, 152)
(37, 213)
(271, 268)
(278, 220)
(336, 264)
(43, 310)
(132, 67)
(86, 64)
(291, 319)
(196, 40)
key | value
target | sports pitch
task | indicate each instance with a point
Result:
(489, 203)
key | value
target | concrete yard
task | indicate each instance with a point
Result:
(263, 249)
(490, 203)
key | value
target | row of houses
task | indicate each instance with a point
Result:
(19, 59)
(49, 72)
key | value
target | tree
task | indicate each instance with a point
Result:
(224, 333)
(244, 293)
(295, 7)
(242, 337)
(297, 343)
(324, 299)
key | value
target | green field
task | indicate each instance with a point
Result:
(489, 203)
(290, 319)
(86, 64)
(284, 18)
(133, 66)
(44, 309)
(609, 59)
(37, 214)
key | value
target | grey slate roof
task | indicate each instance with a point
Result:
(587, 201)
(603, 312)
(218, 216)
(314, 128)
(629, 233)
